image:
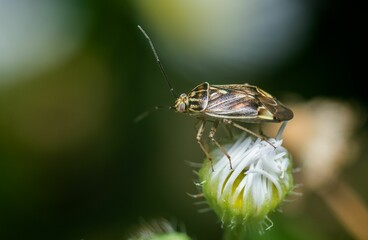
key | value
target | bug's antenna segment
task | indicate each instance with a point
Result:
(158, 61)
(146, 113)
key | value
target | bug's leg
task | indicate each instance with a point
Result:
(228, 131)
(212, 137)
(281, 130)
(199, 140)
(227, 121)
(199, 122)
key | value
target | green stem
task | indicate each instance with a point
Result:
(238, 233)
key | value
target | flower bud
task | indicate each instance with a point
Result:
(259, 181)
(160, 229)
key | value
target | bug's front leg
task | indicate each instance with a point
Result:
(227, 121)
(199, 140)
(212, 137)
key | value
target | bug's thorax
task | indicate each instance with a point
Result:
(181, 103)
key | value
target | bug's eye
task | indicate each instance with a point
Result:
(181, 107)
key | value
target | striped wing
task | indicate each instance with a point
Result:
(245, 103)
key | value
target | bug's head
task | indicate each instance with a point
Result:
(181, 103)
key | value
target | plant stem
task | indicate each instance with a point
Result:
(238, 233)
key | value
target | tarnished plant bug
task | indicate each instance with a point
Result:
(227, 104)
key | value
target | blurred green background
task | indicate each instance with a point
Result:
(74, 74)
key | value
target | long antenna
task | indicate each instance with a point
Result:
(158, 61)
(146, 113)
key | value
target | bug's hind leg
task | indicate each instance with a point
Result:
(228, 131)
(227, 121)
(212, 137)
(281, 130)
(199, 140)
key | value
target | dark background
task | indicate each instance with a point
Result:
(73, 165)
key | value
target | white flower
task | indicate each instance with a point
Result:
(259, 181)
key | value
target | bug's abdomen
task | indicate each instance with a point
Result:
(279, 111)
(240, 102)
(231, 104)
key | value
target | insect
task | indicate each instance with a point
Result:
(227, 104)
